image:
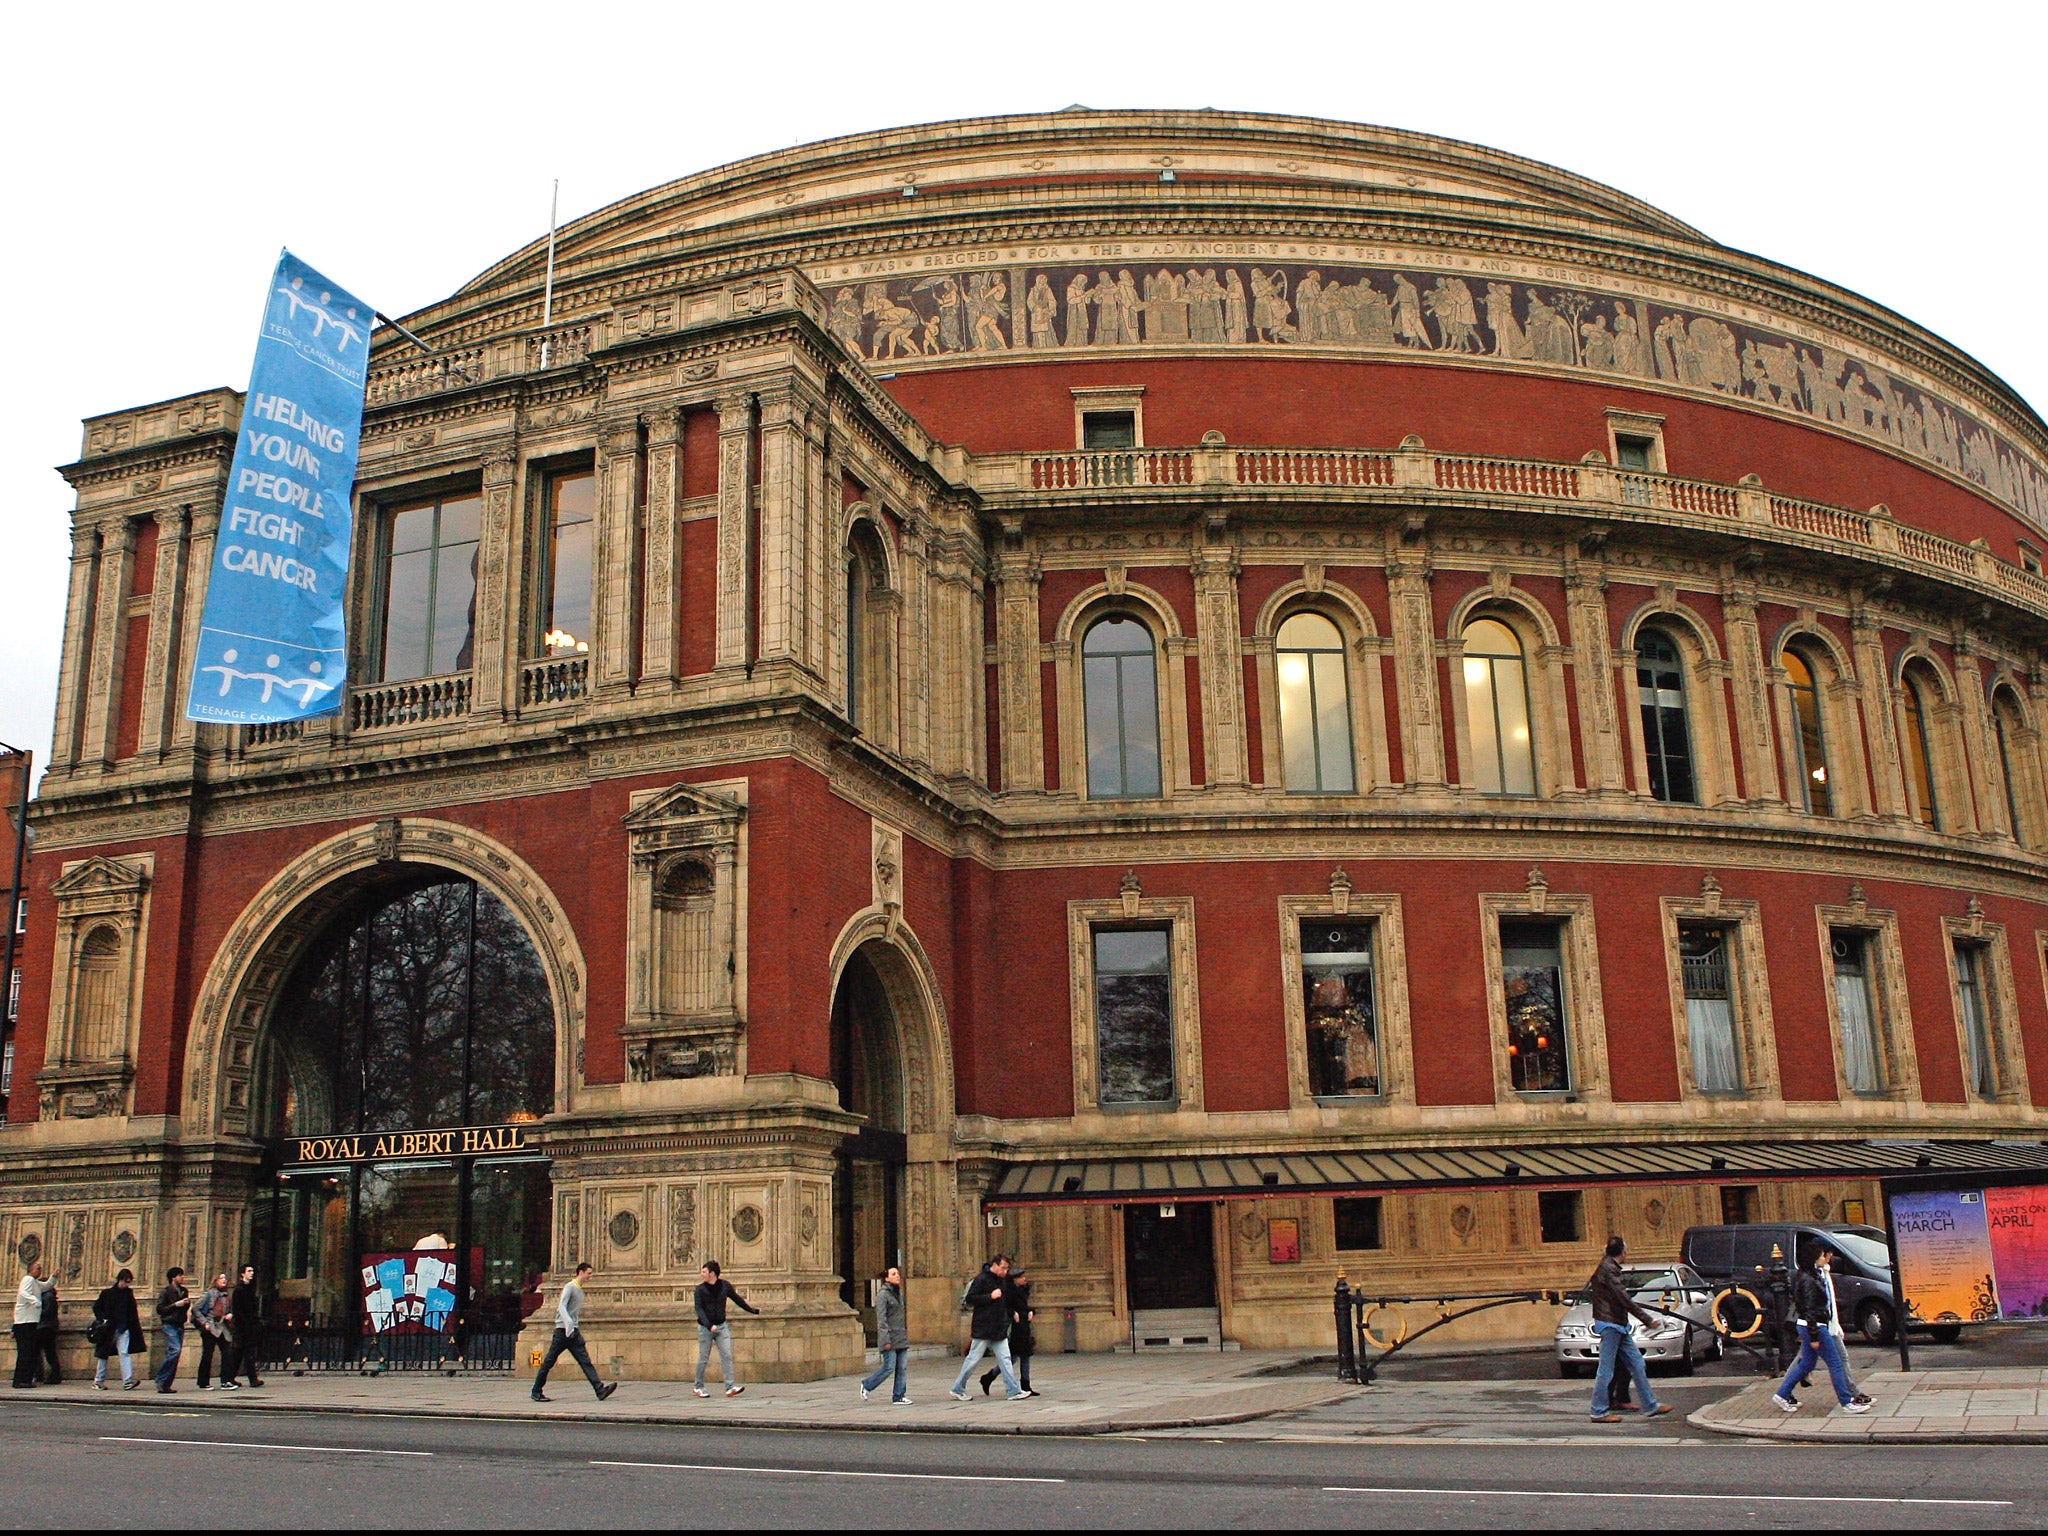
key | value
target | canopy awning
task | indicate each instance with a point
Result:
(1088, 1181)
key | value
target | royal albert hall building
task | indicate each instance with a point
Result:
(1210, 700)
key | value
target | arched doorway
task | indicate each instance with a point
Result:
(867, 1187)
(402, 1215)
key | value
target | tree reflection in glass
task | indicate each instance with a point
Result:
(1133, 1016)
(1539, 1059)
(1343, 1030)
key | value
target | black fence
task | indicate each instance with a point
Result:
(348, 1344)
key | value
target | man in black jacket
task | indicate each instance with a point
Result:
(991, 1329)
(1613, 1307)
(712, 1293)
(46, 1340)
(245, 1323)
(1812, 1304)
(173, 1303)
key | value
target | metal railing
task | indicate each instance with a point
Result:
(423, 701)
(319, 1345)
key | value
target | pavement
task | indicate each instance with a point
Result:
(1995, 1406)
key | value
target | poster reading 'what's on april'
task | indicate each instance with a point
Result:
(1945, 1261)
(2017, 1220)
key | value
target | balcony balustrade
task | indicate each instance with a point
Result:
(555, 680)
(423, 701)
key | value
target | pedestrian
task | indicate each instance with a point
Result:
(173, 1305)
(990, 1329)
(713, 1292)
(117, 1331)
(892, 1338)
(569, 1337)
(1813, 1306)
(1612, 1309)
(28, 1317)
(209, 1315)
(46, 1339)
(244, 1319)
(1017, 1296)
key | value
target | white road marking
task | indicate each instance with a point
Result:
(251, 1445)
(1729, 1498)
(914, 1477)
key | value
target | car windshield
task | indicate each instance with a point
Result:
(1871, 1255)
(1653, 1280)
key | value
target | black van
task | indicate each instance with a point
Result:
(1863, 1275)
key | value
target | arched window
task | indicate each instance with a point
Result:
(1809, 742)
(1497, 710)
(2006, 723)
(100, 1031)
(1919, 747)
(1315, 707)
(856, 621)
(1120, 692)
(1667, 743)
(866, 574)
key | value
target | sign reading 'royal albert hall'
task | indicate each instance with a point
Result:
(271, 642)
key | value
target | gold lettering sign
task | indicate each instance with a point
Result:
(467, 1141)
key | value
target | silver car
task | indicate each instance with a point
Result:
(1681, 1340)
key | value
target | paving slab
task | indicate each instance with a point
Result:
(1981, 1407)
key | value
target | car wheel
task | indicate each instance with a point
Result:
(1946, 1333)
(1875, 1320)
(1685, 1360)
(1717, 1348)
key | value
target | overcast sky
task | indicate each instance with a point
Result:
(158, 156)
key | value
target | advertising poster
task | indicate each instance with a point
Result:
(2018, 1223)
(1945, 1256)
(409, 1292)
(271, 644)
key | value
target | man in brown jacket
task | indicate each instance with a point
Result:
(1612, 1309)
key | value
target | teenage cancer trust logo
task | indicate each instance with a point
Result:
(269, 678)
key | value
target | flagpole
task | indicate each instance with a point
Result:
(547, 300)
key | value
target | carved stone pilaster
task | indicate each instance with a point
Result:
(78, 639)
(1018, 691)
(1753, 738)
(110, 633)
(1978, 749)
(618, 505)
(785, 515)
(1220, 655)
(497, 625)
(1887, 768)
(661, 562)
(735, 529)
(918, 681)
(198, 564)
(166, 613)
(1415, 668)
(1599, 721)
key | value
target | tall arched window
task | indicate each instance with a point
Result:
(1913, 691)
(1315, 706)
(2006, 722)
(856, 622)
(1809, 743)
(1667, 743)
(1497, 710)
(867, 640)
(1120, 692)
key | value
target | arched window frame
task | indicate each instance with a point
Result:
(1542, 664)
(1834, 688)
(90, 1073)
(2016, 745)
(1925, 711)
(869, 609)
(1171, 652)
(1363, 648)
(1706, 701)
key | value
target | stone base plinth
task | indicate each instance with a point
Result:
(781, 1347)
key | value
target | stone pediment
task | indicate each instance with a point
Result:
(684, 802)
(101, 876)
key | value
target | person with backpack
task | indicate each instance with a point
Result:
(116, 1330)
(712, 1293)
(46, 1340)
(892, 1338)
(990, 1329)
(209, 1315)
(1022, 1343)
(173, 1304)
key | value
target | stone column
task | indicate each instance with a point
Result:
(494, 666)
(616, 648)
(1978, 747)
(109, 640)
(159, 678)
(918, 681)
(1220, 654)
(1585, 583)
(198, 567)
(78, 639)
(661, 563)
(956, 670)
(735, 508)
(1415, 668)
(1887, 770)
(1754, 744)
(1022, 718)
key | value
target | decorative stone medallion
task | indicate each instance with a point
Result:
(123, 1247)
(624, 1229)
(1820, 1207)
(29, 1250)
(746, 1224)
(1463, 1221)
(1653, 1215)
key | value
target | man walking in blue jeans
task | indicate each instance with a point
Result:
(1612, 1309)
(712, 1293)
(173, 1302)
(1813, 1305)
(991, 1329)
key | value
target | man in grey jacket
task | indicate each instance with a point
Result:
(892, 1337)
(569, 1336)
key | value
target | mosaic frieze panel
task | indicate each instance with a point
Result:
(1207, 303)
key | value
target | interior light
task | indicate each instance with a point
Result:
(1820, 775)
(1475, 671)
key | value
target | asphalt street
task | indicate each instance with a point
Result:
(145, 1464)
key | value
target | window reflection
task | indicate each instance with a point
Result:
(1133, 1016)
(1497, 710)
(1810, 742)
(1120, 696)
(1315, 706)
(1343, 1024)
(1532, 964)
(572, 511)
(430, 588)
(1660, 688)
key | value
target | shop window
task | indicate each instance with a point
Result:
(1560, 1215)
(1809, 741)
(1973, 1010)
(1738, 1204)
(1913, 697)
(1358, 1225)
(1532, 982)
(1703, 958)
(1856, 1009)
(1133, 1016)
(429, 588)
(570, 550)
(1315, 707)
(1120, 692)
(1109, 429)
(1503, 756)
(1340, 1006)
(1667, 743)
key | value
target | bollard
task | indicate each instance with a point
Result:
(1781, 1290)
(1070, 1334)
(1347, 1359)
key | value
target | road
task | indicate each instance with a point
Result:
(123, 1464)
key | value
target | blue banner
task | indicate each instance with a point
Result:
(272, 644)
